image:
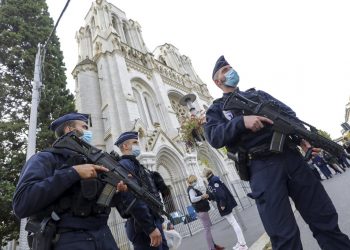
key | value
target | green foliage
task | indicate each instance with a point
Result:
(324, 134)
(191, 131)
(24, 24)
(223, 150)
(204, 162)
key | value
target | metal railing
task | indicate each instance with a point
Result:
(184, 217)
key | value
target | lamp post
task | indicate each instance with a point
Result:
(345, 126)
(188, 100)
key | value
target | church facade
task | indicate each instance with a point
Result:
(123, 86)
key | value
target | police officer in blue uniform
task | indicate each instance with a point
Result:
(143, 226)
(225, 203)
(273, 177)
(58, 192)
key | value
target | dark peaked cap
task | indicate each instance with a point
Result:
(126, 136)
(68, 117)
(221, 62)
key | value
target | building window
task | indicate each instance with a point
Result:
(126, 33)
(151, 109)
(140, 106)
(148, 112)
(115, 24)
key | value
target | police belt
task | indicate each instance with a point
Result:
(263, 150)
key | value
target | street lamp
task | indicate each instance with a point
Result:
(345, 126)
(188, 100)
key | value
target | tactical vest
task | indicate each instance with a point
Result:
(145, 179)
(80, 199)
(200, 206)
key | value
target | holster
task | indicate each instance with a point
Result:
(241, 163)
(41, 233)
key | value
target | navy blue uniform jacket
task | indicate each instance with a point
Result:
(41, 184)
(222, 194)
(224, 129)
(140, 212)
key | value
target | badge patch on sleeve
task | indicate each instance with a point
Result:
(227, 114)
(216, 185)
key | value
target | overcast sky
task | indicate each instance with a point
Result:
(298, 51)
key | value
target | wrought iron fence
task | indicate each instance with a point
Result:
(183, 215)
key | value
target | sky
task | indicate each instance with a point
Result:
(298, 51)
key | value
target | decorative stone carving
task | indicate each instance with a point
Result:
(98, 47)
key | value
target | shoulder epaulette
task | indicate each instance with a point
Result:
(218, 100)
(54, 151)
(250, 90)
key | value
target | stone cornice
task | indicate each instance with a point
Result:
(140, 68)
(83, 67)
(146, 63)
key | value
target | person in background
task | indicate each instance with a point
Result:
(201, 205)
(332, 162)
(322, 165)
(225, 203)
(343, 160)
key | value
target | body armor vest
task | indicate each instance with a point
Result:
(80, 199)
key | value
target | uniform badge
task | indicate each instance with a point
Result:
(227, 114)
(216, 185)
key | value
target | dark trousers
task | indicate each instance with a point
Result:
(276, 178)
(100, 239)
(140, 240)
(316, 173)
(325, 170)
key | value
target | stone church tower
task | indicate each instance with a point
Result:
(123, 86)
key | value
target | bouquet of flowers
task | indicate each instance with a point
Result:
(191, 130)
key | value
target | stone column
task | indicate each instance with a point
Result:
(191, 164)
(231, 168)
(148, 160)
(234, 179)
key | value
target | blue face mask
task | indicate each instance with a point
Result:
(136, 151)
(232, 78)
(87, 136)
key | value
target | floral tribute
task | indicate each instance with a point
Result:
(192, 131)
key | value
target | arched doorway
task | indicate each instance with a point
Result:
(171, 167)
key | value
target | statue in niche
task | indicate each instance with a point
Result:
(98, 47)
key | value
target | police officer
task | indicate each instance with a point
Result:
(201, 205)
(59, 192)
(225, 203)
(143, 227)
(273, 177)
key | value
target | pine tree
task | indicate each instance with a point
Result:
(24, 24)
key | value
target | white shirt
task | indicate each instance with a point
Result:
(193, 196)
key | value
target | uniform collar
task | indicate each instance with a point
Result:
(225, 95)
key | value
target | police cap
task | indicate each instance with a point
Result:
(68, 117)
(221, 62)
(126, 136)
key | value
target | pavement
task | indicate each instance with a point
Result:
(338, 189)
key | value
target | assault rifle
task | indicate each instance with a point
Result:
(116, 172)
(283, 124)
